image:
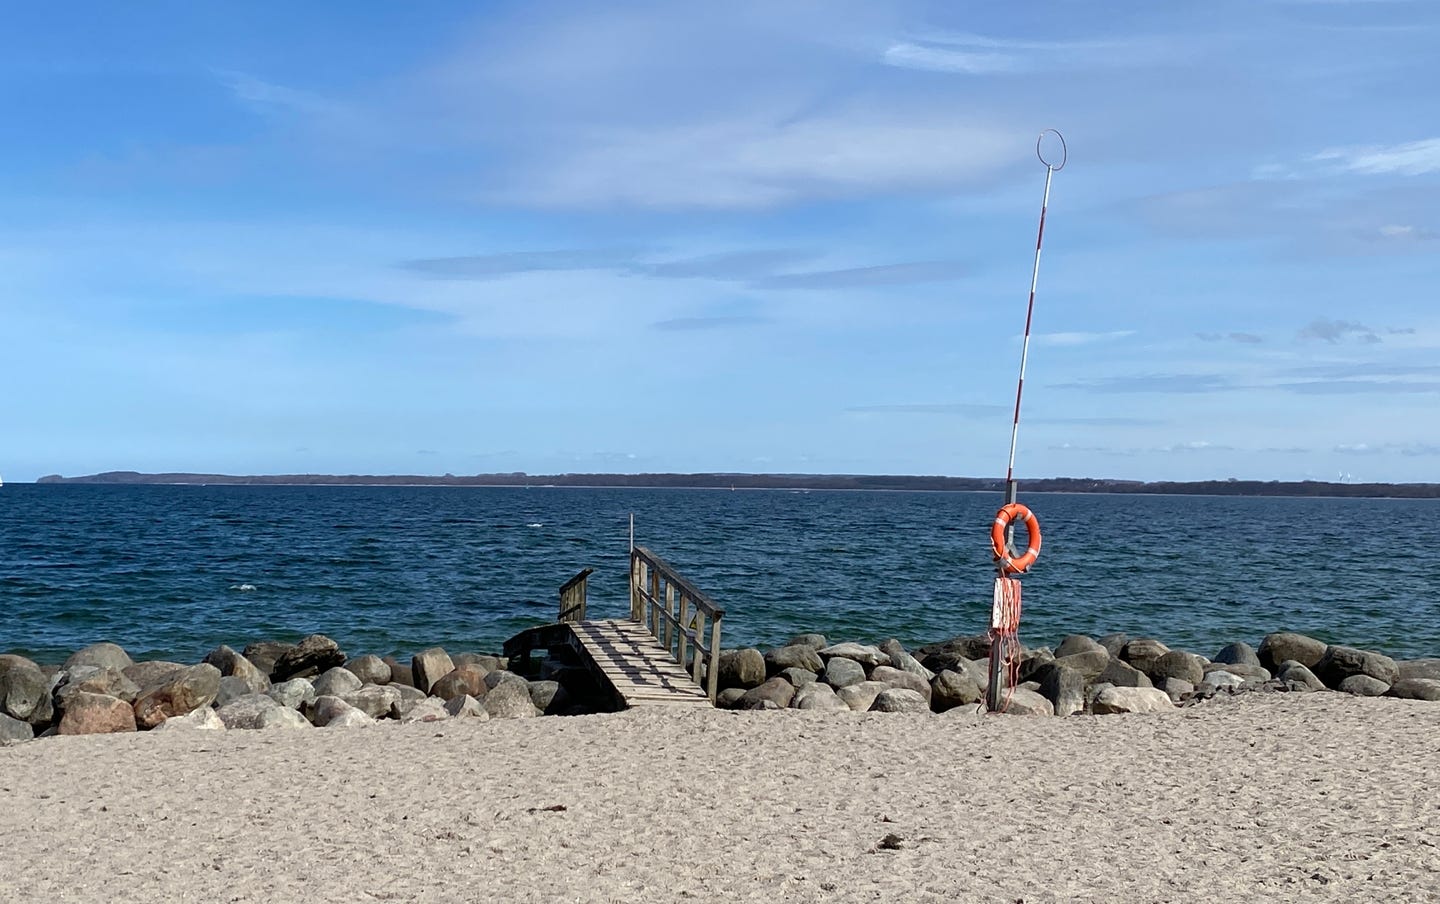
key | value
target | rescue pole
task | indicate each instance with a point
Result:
(1005, 605)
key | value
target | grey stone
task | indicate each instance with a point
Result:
(466, 707)
(1416, 689)
(10, 661)
(1143, 653)
(400, 672)
(260, 711)
(903, 660)
(730, 697)
(335, 682)
(864, 654)
(404, 697)
(14, 731)
(1293, 672)
(24, 694)
(1340, 663)
(101, 655)
(1078, 643)
(429, 666)
(501, 676)
(817, 641)
(950, 689)
(328, 707)
(152, 673)
(263, 654)
(798, 677)
(818, 696)
(860, 697)
(900, 700)
(374, 700)
(1419, 668)
(1131, 700)
(483, 661)
(190, 689)
(1220, 678)
(1177, 664)
(1031, 662)
(943, 655)
(509, 700)
(431, 709)
(96, 681)
(798, 656)
(1244, 670)
(1362, 685)
(899, 678)
(370, 669)
(776, 690)
(1063, 686)
(841, 672)
(231, 688)
(1284, 645)
(87, 713)
(548, 696)
(1024, 702)
(1089, 663)
(312, 656)
(1122, 674)
(461, 681)
(1238, 653)
(1114, 643)
(1176, 688)
(202, 719)
(234, 665)
(743, 668)
(292, 694)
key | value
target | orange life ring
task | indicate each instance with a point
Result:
(1003, 518)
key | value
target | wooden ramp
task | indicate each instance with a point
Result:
(642, 672)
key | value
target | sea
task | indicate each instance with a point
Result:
(170, 572)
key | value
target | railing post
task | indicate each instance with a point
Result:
(669, 619)
(684, 617)
(653, 602)
(712, 676)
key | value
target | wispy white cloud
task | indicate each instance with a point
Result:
(974, 54)
(1413, 158)
(1334, 331)
(1080, 338)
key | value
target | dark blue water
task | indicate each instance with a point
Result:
(394, 569)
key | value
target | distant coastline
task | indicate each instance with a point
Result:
(783, 482)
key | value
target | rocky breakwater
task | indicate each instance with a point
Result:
(267, 685)
(1111, 674)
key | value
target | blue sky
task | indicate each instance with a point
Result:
(753, 236)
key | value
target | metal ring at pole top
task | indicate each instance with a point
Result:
(1064, 151)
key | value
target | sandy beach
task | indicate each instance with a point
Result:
(1282, 796)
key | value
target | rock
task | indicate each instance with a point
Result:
(1415, 689)
(1283, 645)
(741, 668)
(400, 672)
(1114, 643)
(903, 660)
(265, 653)
(260, 711)
(431, 709)
(950, 689)
(1177, 664)
(501, 676)
(841, 672)
(328, 707)
(860, 697)
(940, 656)
(1022, 702)
(977, 670)
(429, 666)
(818, 696)
(461, 681)
(798, 677)
(374, 700)
(1340, 663)
(369, 669)
(1131, 700)
(292, 694)
(188, 690)
(233, 665)
(407, 697)
(101, 655)
(10, 661)
(1089, 663)
(1143, 653)
(899, 678)
(1094, 691)
(777, 690)
(1220, 678)
(509, 700)
(1295, 673)
(466, 707)
(900, 700)
(231, 688)
(1362, 685)
(867, 656)
(87, 713)
(1244, 670)
(798, 656)
(1176, 688)
(151, 674)
(312, 656)
(1078, 643)
(14, 731)
(816, 641)
(202, 719)
(1064, 686)
(548, 696)
(1238, 653)
(483, 661)
(1419, 668)
(25, 694)
(1122, 674)
(335, 682)
(97, 681)
(729, 698)
(1031, 662)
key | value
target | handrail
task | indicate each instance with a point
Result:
(573, 597)
(675, 611)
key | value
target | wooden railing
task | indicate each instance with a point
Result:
(573, 597)
(676, 612)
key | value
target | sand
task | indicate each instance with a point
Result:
(1303, 797)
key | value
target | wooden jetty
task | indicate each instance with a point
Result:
(659, 656)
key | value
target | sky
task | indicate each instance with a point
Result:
(780, 237)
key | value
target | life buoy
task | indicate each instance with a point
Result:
(1007, 514)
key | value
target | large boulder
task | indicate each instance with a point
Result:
(796, 656)
(1143, 652)
(950, 689)
(777, 691)
(234, 665)
(369, 669)
(1362, 685)
(152, 673)
(817, 641)
(1024, 702)
(25, 694)
(292, 694)
(1237, 653)
(798, 677)
(1089, 663)
(191, 689)
(101, 655)
(231, 688)
(1244, 670)
(944, 655)
(1285, 645)
(1340, 663)
(260, 711)
(332, 712)
(87, 713)
(1420, 668)
(900, 658)
(405, 697)
(1131, 700)
(1063, 686)
(1296, 675)
(202, 719)
(263, 654)
(841, 672)
(899, 678)
(1177, 664)
(1122, 674)
(336, 681)
(818, 696)
(484, 661)
(431, 709)
(10, 661)
(509, 700)
(14, 731)
(97, 681)
(1114, 643)
(461, 681)
(864, 654)
(900, 700)
(548, 696)
(1071, 644)
(429, 666)
(400, 672)
(1416, 689)
(375, 700)
(312, 656)
(743, 668)
(466, 707)
(860, 697)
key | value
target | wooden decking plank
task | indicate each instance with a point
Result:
(636, 665)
